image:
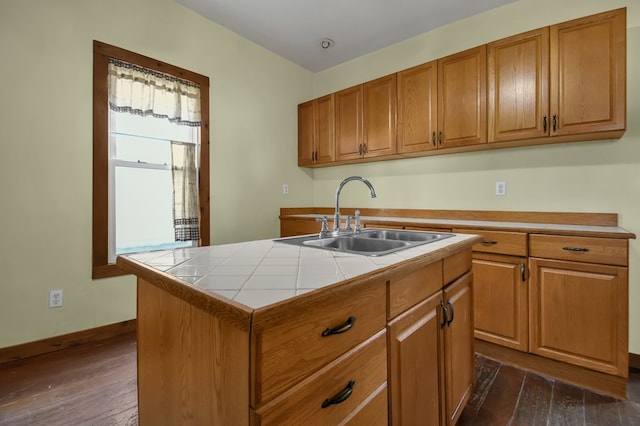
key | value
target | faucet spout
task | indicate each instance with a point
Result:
(336, 216)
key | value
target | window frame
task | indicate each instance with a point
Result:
(101, 268)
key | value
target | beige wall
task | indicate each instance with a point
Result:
(46, 152)
(601, 176)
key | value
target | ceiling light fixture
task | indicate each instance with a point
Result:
(326, 43)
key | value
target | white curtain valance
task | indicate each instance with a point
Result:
(144, 92)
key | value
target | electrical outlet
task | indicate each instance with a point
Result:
(501, 188)
(55, 298)
(285, 189)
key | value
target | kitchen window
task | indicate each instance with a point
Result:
(147, 164)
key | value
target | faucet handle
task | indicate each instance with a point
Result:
(324, 230)
(357, 215)
(347, 226)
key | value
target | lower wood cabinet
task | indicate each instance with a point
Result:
(431, 358)
(352, 387)
(501, 300)
(579, 314)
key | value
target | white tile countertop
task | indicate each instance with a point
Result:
(260, 273)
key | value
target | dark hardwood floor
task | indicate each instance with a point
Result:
(95, 384)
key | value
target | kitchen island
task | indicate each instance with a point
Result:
(268, 333)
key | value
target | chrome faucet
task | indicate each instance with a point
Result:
(336, 217)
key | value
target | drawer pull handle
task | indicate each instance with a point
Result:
(453, 312)
(341, 397)
(341, 329)
(581, 249)
(445, 314)
(490, 242)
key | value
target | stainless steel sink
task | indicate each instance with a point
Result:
(370, 242)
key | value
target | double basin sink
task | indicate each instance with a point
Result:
(369, 242)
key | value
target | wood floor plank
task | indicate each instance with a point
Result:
(567, 405)
(601, 409)
(486, 370)
(500, 402)
(92, 384)
(534, 402)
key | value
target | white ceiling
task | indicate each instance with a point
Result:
(293, 29)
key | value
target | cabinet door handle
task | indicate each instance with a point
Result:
(544, 123)
(445, 314)
(554, 122)
(523, 271)
(341, 397)
(364, 148)
(453, 312)
(490, 242)
(579, 249)
(340, 329)
(433, 138)
(440, 138)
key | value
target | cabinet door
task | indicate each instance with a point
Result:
(462, 98)
(415, 360)
(418, 108)
(579, 314)
(379, 117)
(348, 123)
(518, 70)
(588, 74)
(458, 347)
(500, 300)
(306, 134)
(324, 134)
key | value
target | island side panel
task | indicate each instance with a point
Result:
(193, 367)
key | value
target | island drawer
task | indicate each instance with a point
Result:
(353, 384)
(412, 288)
(498, 242)
(607, 251)
(296, 338)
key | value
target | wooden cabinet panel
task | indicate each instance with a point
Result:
(608, 251)
(379, 112)
(579, 314)
(588, 74)
(288, 346)
(348, 123)
(418, 108)
(459, 355)
(501, 300)
(316, 142)
(518, 96)
(365, 367)
(306, 134)
(324, 133)
(499, 242)
(406, 291)
(415, 362)
(462, 98)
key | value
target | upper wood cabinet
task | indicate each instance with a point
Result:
(365, 119)
(518, 78)
(562, 83)
(418, 108)
(348, 123)
(588, 74)
(462, 98)
(442, 104)
(379, 117)
(564, 80)
(316, 143)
